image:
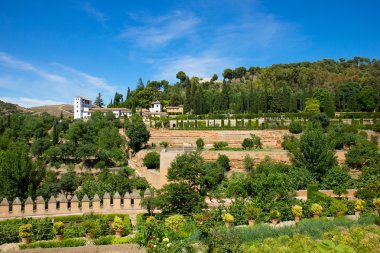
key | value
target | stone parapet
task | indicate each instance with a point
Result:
(62, 206)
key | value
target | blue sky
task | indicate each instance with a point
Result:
(51, 51)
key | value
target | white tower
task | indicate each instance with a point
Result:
(81, 104)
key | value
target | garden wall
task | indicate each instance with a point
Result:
(128, 204)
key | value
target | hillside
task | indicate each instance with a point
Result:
(9, 108)
(54, 110)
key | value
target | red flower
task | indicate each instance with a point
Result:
(149, 246)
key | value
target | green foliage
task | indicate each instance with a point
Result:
(118, 223)
(137, 133)
(227, 217)
(314, 153)
(223, 161)
(58, 228)
(290, 143)
(363, 153)
(312, 105)
(105, 240)
(54, 244)
(152, 160)
(175, 222)
(252, 212)
(164, 144)
(338, 208)
(200, 143)
(90, 226)
(316, 208)
(297, 210)
(370, 191)
(220, 145)
(122, 240)
(274, 214)
(25, 231)
(337, 179)
(322, 119)
(248, 163)
(247, 143)
(295, 127)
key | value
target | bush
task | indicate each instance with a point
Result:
(247, 143)
(164, 144)
(226, 217)
(252, 212)
(359, 205)
(322, 119)
(256, 141)
(316, 208)
(290, 142)
(90, 226)
(55, 244)
(338, 208)
(106, 240)
(152, 160)
(376, 202)
(200, 143)
(248, 163)
(175, 222)
(25, 231)
(118, 223)
(58, 228)
(220, 145)
(274, 214)
(122, 240)
(295, 127)
(297, 210)
(224, 162)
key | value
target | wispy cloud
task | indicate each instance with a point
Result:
(202, 66)
(22, 86)
(93, 12)
(29, 102)
(93, 80)
(9, 61)
(159, 31)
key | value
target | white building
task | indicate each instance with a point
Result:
(81, 107)
(155, 106)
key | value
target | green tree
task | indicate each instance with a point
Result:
(312, 105)
(367, 99)
(200, 143)
(68, 183)
(170, 201)
(326, 100)
(152, 160)
(223, 161)
(137, 133)
(181, 76)
(99, 101)
(314, 152)
(214, 78)
(337, 178)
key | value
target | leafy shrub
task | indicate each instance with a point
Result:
(152, 160)
(359, 205)
(25, 231)
(106, 240)
(200, 143)
(90, 226)
(252, 212)
(316, 208)
(164, 144)
(256, 141)
(55, 244)
(226, 217)
(322, 119)
(175, 222)
(338, 207)
(290, 142)
(274, 214)
(297, 210)
(118, 223)
(58, 228)
(248, 163)
(223, 161)
(247, 143)
(220, 145)
(295, 127)
(122, 240)
(376, 202)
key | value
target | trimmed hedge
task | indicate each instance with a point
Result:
(54, 244)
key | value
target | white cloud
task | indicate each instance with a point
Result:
(22, 86)
(30, 102)
(9, 61)
(92, 11)
(159, 31)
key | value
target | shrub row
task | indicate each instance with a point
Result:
(55, 244)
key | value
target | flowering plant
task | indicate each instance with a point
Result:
(297, 210)
(227, 217)
(359, 205)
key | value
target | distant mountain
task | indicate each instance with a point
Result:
(56, 110)
(9, 108)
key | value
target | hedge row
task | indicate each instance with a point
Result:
(54, 244)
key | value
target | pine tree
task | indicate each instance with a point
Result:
(99, 101)
(55, 134)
